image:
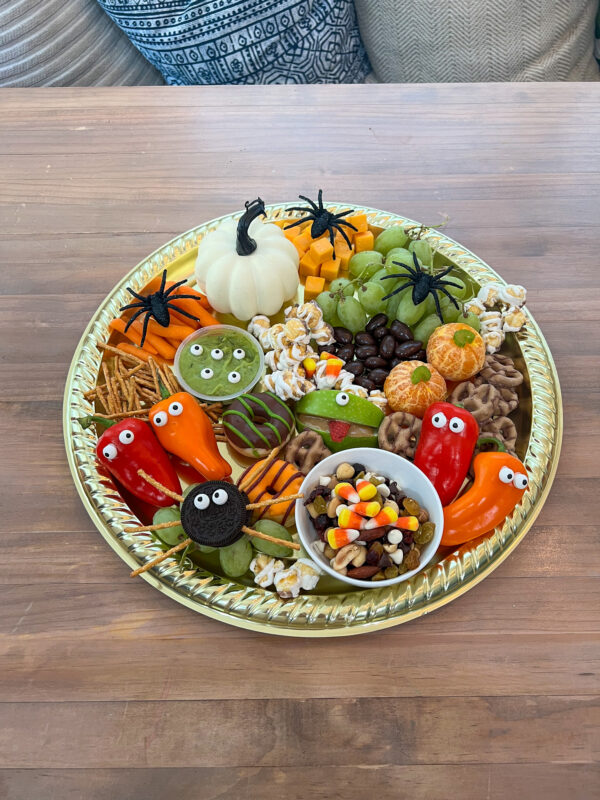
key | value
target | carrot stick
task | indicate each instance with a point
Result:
(173, 331)
(193, 307)
(202, 298)
(133, 334)
(174, 342)
(132, 350)
(179, 319)
(161, 345)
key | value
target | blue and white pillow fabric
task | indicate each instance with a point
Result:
(245, 41)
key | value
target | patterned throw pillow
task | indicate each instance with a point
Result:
(245, 41)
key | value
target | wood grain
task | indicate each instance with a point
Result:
(107, 688)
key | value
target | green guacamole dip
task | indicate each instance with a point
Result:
(221, 364)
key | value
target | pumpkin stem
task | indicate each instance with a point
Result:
(421, 373)
(245, 245)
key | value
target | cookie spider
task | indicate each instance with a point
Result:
(423, 284)
(157, 305)
(323, 220)
(214, 514)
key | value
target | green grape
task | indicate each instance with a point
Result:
(423, 251)
(235, 558)
(189, 488)
(426, 327)
(470, 319)
(370, 297)
(394, 302)
(272, 528)
(352, 314)
(344, 284)
(407, 311)
(389, 239)
(381, 274)
(461, 292)
(449, 311)
(365, 264)
(173, 535)
(328, 304)
(401, 255)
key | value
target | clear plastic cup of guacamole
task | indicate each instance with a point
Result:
(218, 363)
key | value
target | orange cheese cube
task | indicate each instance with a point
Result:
(291, 234)
(313, 287)
(303, 240)
(363, 241)
(281, 223)
(360, 223)
(321, 250)
(330, 269)
(344, 257)
(308, 266)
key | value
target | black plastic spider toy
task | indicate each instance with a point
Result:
(157, 305)
(323, 220)
(423, 284)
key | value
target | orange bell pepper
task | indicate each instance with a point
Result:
(183, 429)
(500, 480)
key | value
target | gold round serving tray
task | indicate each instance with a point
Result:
(538, 420)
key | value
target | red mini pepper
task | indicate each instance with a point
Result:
(130, 445)
(446, 444)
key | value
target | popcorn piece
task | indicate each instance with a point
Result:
(323, 335)
(310, 313)
(295, 330)
(265, 568)
(513, 320)
(288, 384)
(493, 340)
(378, 398)
(351, 388)
(513, 295)
(488, 294)
(474, 306)
(304, 574)
(259, 327)
(491, 321)
(288, 358)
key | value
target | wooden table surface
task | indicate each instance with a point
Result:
(109, 689)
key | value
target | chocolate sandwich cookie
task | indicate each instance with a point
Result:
(214, 513)
(256, 423)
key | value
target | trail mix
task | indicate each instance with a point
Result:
(368, 529)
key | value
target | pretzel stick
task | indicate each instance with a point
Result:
(158, 527)
(133, 413)
(118, 352)
(161, 557)
(135, 369)
(274, 501)
(264, 468)
(109, 390)
(154, 376)
(159, 486)
(267, 538)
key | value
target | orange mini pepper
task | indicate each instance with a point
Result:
(500, 480)
(183, 429)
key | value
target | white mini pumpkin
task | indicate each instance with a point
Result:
(247, 268)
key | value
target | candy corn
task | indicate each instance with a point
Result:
(325, 356)
(387, 516)
(406, 523)
(350, 519)
(347, 492)
(333, 367)
(366, 490)
(366, 508)
(310, 365)
(340, 537)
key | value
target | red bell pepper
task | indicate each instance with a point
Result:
(446, 444)
(128, 446)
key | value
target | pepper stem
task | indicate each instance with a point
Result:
(164, 392)
(464, 337)
(87, 422)
(483, 440)
(420, 374)
(245, 245)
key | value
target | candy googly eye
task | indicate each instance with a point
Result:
(160, 419)
(220, 497)
(439, 420)
(217, 354)
(196, 349)
(520, 481)
(457, 425)
(126, 437)
(506, 475)
(175, 409)
(206, 373)
(234, 377)
(109, 452)
(202, 502)
(342, 399)
(239, 353)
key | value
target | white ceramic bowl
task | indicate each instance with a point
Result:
(410, 480)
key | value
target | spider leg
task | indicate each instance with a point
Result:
(132, 305)
(134, 317)
(145, 330)
(343, 214)
(396, 290)
(311, 203)
(437, 307)
(331, 238)
(347, 224)
(293, 224)
(135, 294)
(320, 199)
(447, 293)
(184, 297)
(303, 209)
(335, 225)
(447, 283)
(180, 311)
(445, 272)
(172, 288)
(412, 272)
(163, 281)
